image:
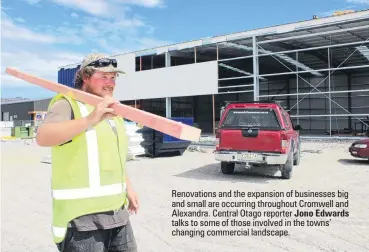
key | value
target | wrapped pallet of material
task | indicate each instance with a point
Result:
(135, 140)
(6, 129)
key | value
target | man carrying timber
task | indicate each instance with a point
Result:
(91, 192)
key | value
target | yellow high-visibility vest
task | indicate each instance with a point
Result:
(88, 173)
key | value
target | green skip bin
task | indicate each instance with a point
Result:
(22, 132)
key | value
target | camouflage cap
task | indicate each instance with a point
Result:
(96, 56)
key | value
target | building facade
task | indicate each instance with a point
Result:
(318, 69)
(24, 112)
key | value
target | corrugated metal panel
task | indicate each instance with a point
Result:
(66, 76)
(18, 111)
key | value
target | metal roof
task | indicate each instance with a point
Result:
(346, 44)
(331, 23)
(284, 30)
(13, 101)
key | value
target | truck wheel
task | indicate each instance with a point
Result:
(227, 168)
(297, 156)
(287, 168)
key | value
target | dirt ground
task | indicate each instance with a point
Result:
(325, 167)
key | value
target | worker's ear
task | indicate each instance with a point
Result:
(85, 78)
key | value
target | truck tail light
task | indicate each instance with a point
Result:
(217, 134)
(284, 143)
(217, 139)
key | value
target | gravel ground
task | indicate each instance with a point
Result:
(325, 167)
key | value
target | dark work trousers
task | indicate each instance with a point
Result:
(120, 239)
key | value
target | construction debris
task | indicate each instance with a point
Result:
(46, 159)
(196, 148)
(312, 151)
(135, 140)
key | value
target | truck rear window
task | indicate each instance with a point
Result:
(251, 117)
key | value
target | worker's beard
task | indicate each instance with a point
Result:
(106, 91)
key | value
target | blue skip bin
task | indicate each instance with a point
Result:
(159, 144)
(184, 120)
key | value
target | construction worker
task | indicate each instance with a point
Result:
(92, 196)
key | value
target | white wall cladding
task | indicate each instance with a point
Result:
(176, 81)
(127, 62)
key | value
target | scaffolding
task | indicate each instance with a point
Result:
(346, 53)
(322, 54)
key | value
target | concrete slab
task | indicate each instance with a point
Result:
(26, 203)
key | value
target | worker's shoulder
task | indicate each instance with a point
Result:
(58, 111)
(60, 105)
(62, 102)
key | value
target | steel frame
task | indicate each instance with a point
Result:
(168, 100)
(258, 51)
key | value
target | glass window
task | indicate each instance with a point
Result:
(251, 117)
(285, 119)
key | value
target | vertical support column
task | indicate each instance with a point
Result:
(168, 100)
(349, 102)
(195, 54)
(289, 91)
(213, 98)
(168, 107)
(297, 89)
(256, 68)
(194, 108)
(140, 70)
(329, 94)
(213, 101)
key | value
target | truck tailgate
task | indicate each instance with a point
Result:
(250, 140)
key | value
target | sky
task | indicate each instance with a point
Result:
(38, 36)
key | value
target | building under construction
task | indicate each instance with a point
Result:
(318, 69)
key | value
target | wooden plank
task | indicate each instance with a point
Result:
(159, 123)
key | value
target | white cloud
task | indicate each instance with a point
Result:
(14, 32)
(108, 26)
(37, 63)
(104, 7)
(94, 7)
(144, 3)
(358, 1)
(74, 15)
(19, 19)
(32, 1)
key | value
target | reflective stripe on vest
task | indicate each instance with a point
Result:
(89, 192)
(58, 231)
(94, 190)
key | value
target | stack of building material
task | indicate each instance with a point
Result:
(46, 159)
(6, 128)
(135, 140)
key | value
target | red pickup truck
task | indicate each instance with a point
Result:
(258, 133)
